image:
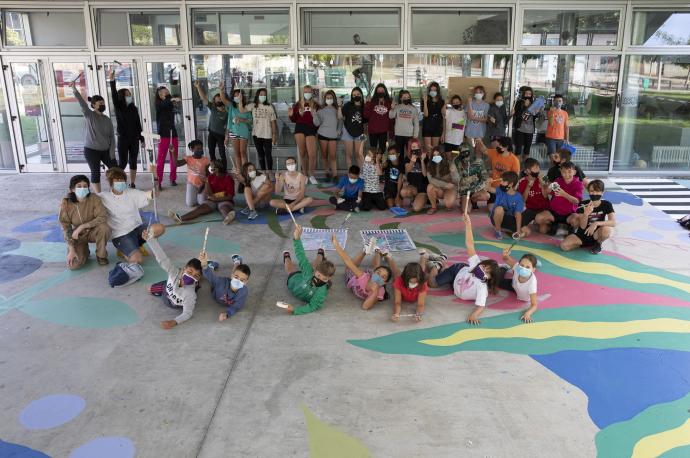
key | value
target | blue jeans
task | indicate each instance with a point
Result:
(552, 145)
(131, 241)
(447, 276)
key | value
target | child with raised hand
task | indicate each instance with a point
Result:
(371, 171)
(506, 213)
(410, 286)
(351, 187)
(307, 283)
(368, 285)
(594, 221)
(294, 184)
(179, 290)
(229, 292)
(523, 281)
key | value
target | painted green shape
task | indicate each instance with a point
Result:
(427, 247)
(678, 452)
(191, 237)
(82, 312)
(584, 256)
(327, 442)
(274, 225)
(45, 251)
(619, 439)
(319, 222)
(386, 226)
(408, 342)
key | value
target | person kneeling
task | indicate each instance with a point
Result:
(595, 220)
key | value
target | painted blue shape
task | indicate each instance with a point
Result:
(622, 382)
(684, 237)
(8, 244)
(666, 224)
(148, 216)
(646, 235)
(51, 411)
(13, 267)
(10, 450)
(106, 447)
(624, 218)
(47, 224)
(262, 218)
(617, 197)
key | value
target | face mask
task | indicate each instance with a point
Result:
(291, 167)
(594, 197)
(416, 152)
(252, 174)
(197, 153)
(188, 279)
(523, 271)
(433, 93)
(499, 103)
(558, 104)
(437, 159)
(367, 159)
(353, 180)
(236, 284)
(406, 101)
(534, 174)
(128, 99)
(479, 273)
(503, 188)
(329, 102)
(376, 278)
(101, 108)
(120, 186)
(237, 99)
(262, 98)
(220, 104)
(412, 285)
(380, 93)
(316, 282)
(457, 107)
(392, 157)
(307, 96)
(479, 95)
(356, 98)
(81, 193)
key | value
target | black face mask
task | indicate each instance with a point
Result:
(316, 282)
(198, 153)
(407, 101)
(457, 107)
(380, 94)
(504, 188)
(416, 152)
(220, 104)
(534, 174)
(101, 108)
(356, 98)
(594, 197)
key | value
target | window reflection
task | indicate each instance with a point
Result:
(570, 28)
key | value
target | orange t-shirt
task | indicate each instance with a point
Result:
(500, 164)
(196, 170)
(556, 126)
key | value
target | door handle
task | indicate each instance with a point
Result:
(189, 118)
(13, 117)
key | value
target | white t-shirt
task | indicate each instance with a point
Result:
(523, 290)
(468, 287)
(262, 120)
(257, 182)
(455, 126)
(123, 210)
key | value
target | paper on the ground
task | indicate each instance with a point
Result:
(313, 239)
(282, 305)
(389, 239)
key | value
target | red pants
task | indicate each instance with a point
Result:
(163, 147)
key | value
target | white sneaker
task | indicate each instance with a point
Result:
(175, 217)
(371, 246)
(312, 180)
(229, 218)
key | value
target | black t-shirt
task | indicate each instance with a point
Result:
(392, 174)
(555, 172)
(415, 176)
(599, 213)
(353, 118)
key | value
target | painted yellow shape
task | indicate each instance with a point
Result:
(327, 442)
(564, 328)
(657, 444)
(599, 268)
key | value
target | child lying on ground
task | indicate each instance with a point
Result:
(308, 284)
(368, 285)
(410, 286)
(231, 292)
(179, 290)
(595, 219)
(523, 281)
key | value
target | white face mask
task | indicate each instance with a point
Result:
(291, 167)
(499, 103)
(128, 99)
(307, 96)
(262, 98)
(433, 93)
(237, 99)
(236, 284)
(478, 95)
(329, 102)
(392, 157)
(412, 285)
(367, 159)
(252, 174)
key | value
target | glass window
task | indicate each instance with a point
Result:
(654, 119)
(241, 28)
(661, 28)
(71, 117)
(570, 28)
(112, 28)
(431, 27)
(588, 85)
(44, 28)
(276, 73)
(375, 27)
(141, 28)
(6, 151)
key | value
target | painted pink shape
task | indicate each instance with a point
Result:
(440, 292)
(413, 219)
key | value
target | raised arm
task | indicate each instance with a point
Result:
(200, 90)
(82, 103)
(160, 255)
(469, 238)
(346, 258)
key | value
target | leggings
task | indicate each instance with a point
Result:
(401, 144)
(378, 141)
(94, 158)
(128, 152)
(217, 140)
(162, 154)
(264, 147)
(523, 143)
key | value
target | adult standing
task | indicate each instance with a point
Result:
(217, 119)
(327, 119)
(83, 219)
(239, 127)
(434, 108)
(168, 144)
(264, 129)
(302, 114)
(128, 128)
(352, 114)
(376, 114)
(99, 135)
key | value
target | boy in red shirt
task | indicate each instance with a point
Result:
(534, 191)
(566, 193)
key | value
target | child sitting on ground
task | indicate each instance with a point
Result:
(472, 281)
(307, 283)
(561, 156)
(506, 214)
(415, 164)
(371, 171)
(230, 292)
(534, 190)
(595, 218)
(523, 281)
(566, 194)
(257, 189)
(502, 160)
(368, 285)
(196, 164)
(179, 290)
(351, 188)
(294, 184)
(443, 178)
(393, 172)
(219, 194)
(410, 286)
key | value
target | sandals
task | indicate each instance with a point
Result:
(321, 252)
(286, 255)
(395, 317)
(431, 211)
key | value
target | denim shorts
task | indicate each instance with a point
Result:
(346, 137)
(131, 241)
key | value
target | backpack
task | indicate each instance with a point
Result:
(685, 222)
(124, 274)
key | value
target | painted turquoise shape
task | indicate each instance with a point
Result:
(82, 312)
(45, 251)
(193, 236)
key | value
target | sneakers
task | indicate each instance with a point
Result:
(245, 211)
(144, 251)
(312, 180)
(369, 247)
(213, 265)
(438, 257)
(499, 235)
(133, 186)
(175, 217)
(102, 261)
(553, 229)
(237, 259)
(596, 249)
(229, 218)
(321, 252)
(382, 251)
(173, 183)
(301, 210)
(252, 215)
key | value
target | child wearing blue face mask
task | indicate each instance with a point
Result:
(230, 292)
(179, 290)
(351, 187)
(369, 285)
(523, 281)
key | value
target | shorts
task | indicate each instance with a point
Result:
(450, 147)
(492, 197)
(305, 129)
(447, 276)
(346, 137)
(390, 190)
(528, 215)
(298, 272)
(289, 201)
(432, 131)
(559, 219)
(232, 136)
(584, 238)
(321, 137)
(214, 205)
(130, 242)
(509, 222)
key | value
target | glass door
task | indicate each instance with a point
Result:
(7, 158)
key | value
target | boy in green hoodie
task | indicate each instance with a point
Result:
(304, 282)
